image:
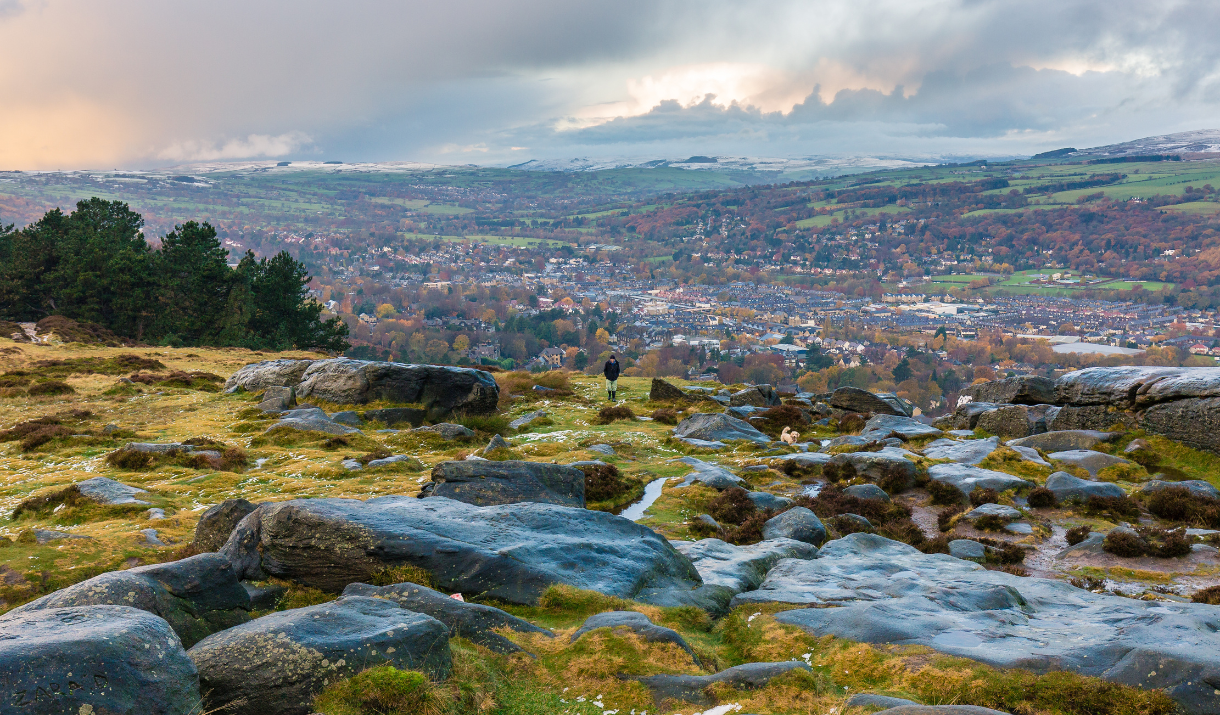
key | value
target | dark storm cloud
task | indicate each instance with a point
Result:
(145, 81)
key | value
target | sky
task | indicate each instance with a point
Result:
(100, 84)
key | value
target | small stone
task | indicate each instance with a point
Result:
(867, 491)
(497, 442)
(707, 520)
(797, 523)
(151, 538)
(967, 549)
(352, 464)
(999, 510)
(154, 514)
(602, 449)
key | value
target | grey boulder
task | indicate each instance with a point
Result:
(487, 483)
(1195, 486)
(694, 688)
(1002, 511)
(259, 376)
(94, 659)
(1092, 462)
(440, 390)
(967, 478)
(106, 491)
(888, 465)
(971, 451)
(766, 500)
(798, 524)
(940, 710)
(757, 396)
(473, 621)
(872, 700)
(867, 491)
(1136, 387)
(904, 428)
(716, 427)
(277, 399)
(1006, 421)
(637, 623)
(527, 419)
(277, 664)
(888, 592)
(1067, 488)
(512, 552)
(448, 430)
(854, 399)
(1020, 390)
(967, 549)
(218, 522)
(1064, 440)
(708, 474)
(726, 570)
(197, 596)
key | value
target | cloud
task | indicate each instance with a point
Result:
(11, 8)
(472, 79)
(252, 147)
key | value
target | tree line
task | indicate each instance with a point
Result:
(94, 265)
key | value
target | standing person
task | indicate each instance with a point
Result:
(611, 372)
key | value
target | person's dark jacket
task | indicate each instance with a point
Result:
(611, 370)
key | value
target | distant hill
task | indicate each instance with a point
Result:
(1199, 141)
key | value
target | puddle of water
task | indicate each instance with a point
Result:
(652, 490)
(812, 490)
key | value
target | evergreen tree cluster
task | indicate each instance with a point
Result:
(94, 265)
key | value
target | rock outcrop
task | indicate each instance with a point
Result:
(440, 390)
(197, 596)
(1068, 488)
(485, 483)
(473, 621)
(511, 552)
(888, 592)
(716, 427)
(694, 688)
(757, 396)
(259, 376)
(94, 659)
(967, 478)
(854, 399)
(218, 522)
(1020, 390)
(904, 428)
(637, 623)
(278, 663)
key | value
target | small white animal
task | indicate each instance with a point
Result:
(788, 436)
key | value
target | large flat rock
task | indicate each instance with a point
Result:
(717, 427)
(104, 490)
(1064, 440)
(94, 659)
(277, 664)
(967, 478)
(257, 377)
(905, 428)
(708, 474)
(867, 588)
(473, 621)
(487, 483)
(440, 389)
(197, 596)
(513, 552)
(1087, 459)
(1020, 390)
(741, 568)
(971, 451)
(855, 399)
(1136, 387)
